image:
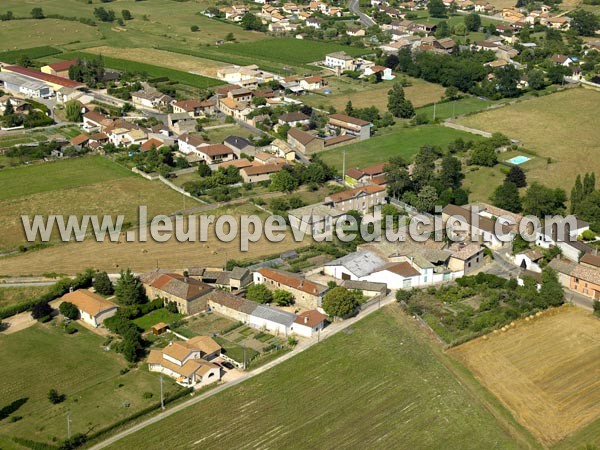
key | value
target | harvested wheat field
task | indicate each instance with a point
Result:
(544, 370)
(198, 66)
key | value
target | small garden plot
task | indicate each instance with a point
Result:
(159, 315)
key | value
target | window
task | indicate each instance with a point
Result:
(406, 283)
(469, 264)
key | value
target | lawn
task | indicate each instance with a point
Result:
(545, 372)
(557, 126)
(404, 142)
(77, 186)
(153, 317)
(44, 357)
(363, 94)
(13, 295)
(382, 384)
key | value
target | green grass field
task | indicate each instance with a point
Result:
(67, 174)
(460, 107)
(289, 50)
(382, 385)
(152, 318)
(404, 142)
(44, 357)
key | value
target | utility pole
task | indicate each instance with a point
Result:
(162, 399)
(68, 425)
(454, 109)
(344, 167)
(244, 346)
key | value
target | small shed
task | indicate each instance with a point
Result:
(159, 328)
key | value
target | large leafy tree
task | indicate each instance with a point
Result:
(339, 302)
(436, 8)
(506, 196)
(69, 310)
(540, 200)
(283, 298)
(283, 181)
(451, 174)
(259, 293)
(585, 22)
(472, 22)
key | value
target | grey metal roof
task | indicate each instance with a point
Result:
(20, 80)
(361, 263)
(274, 315)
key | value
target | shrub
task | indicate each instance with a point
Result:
(55, 397)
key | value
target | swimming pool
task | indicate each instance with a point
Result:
(518, 160)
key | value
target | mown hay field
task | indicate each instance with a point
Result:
(545, 371)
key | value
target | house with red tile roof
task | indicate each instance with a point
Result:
(358, 199)
(307, 294)
(60, 68)
(187, 293)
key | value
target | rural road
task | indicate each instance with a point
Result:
(329, 331)
(364, 19)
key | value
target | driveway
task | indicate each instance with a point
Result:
(23, 320)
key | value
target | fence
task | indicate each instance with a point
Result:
(156, 176)
(410, 209)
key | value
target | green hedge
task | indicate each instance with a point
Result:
(12, 56)
(60, 288)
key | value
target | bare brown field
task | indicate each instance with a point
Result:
(501, 4)
(71, 258)
(198, 66)
(545, 371)
(560, 126)
(120, 196)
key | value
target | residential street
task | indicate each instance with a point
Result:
(303, 345)
(364, 19)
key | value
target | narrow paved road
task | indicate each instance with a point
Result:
(302, 346)
(364, 19)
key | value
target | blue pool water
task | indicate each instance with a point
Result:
(518, 160)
